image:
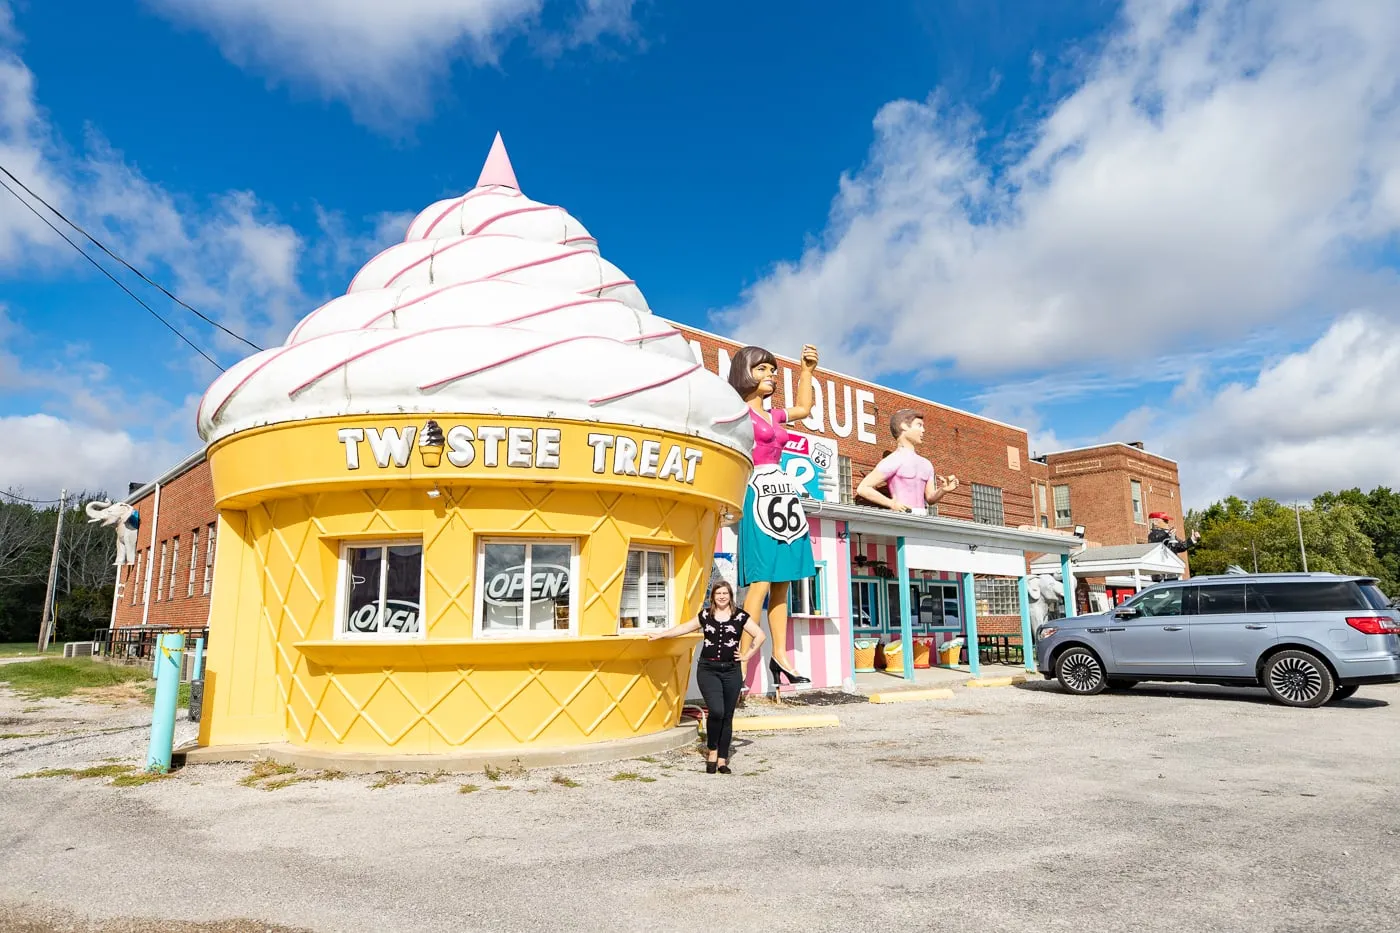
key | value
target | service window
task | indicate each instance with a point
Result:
(646, 590)
(865, 605)
(526, 588)
(381, 586)
(805, 596)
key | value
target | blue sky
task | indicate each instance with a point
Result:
(1164, 221)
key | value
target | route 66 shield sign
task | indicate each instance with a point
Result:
(777, 505)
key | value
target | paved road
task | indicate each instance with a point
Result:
(1017, 809)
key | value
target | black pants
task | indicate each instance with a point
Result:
(719, 683)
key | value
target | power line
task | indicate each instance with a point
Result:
(15, 495)
(118, 282)
(141, 275)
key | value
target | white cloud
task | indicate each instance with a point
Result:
(1325, 417)
(381, 58)
(1218, 166)
(45, 453)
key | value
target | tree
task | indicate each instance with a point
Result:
(1235, 532)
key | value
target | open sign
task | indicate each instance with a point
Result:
(547, 581)
(398, 615)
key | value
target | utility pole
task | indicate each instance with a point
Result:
(1298, 516)
(46, 621)
(1256, 554)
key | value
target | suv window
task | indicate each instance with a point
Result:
(1374, 596)
(1219, 600)
(1331, 596)
(1163, 602)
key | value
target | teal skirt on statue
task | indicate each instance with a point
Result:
(775, 545)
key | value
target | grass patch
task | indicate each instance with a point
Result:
(393, 777)
(138, 779)
(263, 770)
(564, 781)
(17, 649)
(182, 696)
(501, 787)
(23, 735)
(97, 771)
(434, 778)
(648, 759)
(467, 788)
(59, 677)
(626, 776)
(495, 774)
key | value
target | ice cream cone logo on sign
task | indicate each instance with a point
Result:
(431, 443)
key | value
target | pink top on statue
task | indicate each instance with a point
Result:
(908, 473)
(768, 439)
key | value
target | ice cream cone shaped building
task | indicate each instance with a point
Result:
(454, 502)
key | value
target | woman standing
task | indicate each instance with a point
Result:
(720, 672)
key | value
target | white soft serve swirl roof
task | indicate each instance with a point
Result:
(494, 304)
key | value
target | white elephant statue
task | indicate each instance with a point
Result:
(126, 519)
(1045, 593)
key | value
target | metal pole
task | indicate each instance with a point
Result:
(1298, 516)
(168, 650)
(1256, 554)
(46, 619)
(1023, 598)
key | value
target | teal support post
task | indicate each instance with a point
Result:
(1024, 597)
(974, 657)
(168, 652)
(197, 669)
(906, 622)
(1067, 578)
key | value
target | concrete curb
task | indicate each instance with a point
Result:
(997, 681)
(320, 759)
(904, 696)
(778, 723)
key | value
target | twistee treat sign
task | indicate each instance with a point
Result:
(518, 448)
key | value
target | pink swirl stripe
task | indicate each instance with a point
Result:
(364, 353)
(474, 193)
(606, 285)
(504, 214)
(650, 385)
(429, 386)
(272, 355)
(581, 239)
(731, 419)
(438, 291)
(499, 272)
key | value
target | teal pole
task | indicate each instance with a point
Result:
(974, 658)
(906, 624)
(1024, 596)
(197, 669)
(168, 651)
(1067, 578)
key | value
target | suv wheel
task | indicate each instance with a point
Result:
(1298, 678)
(1080, 672)
(1345, 693)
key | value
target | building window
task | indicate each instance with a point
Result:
(194, 562)
(174, 563)
(209, 559)
(136, 580)
(997, 596)
(865, 605)
(1043, 511)
(646, 590)
(1062, 519)
(805, 596)
(525, 587)
(845, 490)
(160, 576)
(380, 587)
(1136, 488)
(986, 504)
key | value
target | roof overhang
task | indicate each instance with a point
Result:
(1159, 560)
(179, 469)
(872, 521)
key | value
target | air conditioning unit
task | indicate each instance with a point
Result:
(79, 649)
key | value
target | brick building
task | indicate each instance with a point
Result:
(1000, 484)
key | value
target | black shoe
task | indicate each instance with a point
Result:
(777, 670)
(710, 767)
(724, 769)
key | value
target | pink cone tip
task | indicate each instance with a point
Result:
(498, 170)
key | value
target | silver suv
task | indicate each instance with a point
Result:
(1307, 638)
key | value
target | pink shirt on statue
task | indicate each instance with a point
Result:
(908, 473)
(769, 439)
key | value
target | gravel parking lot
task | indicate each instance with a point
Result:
(1021, 808)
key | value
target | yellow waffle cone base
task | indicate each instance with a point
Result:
(279, 671)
